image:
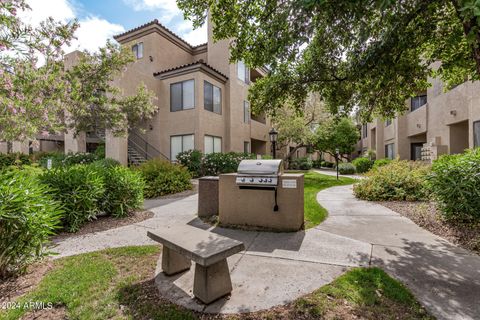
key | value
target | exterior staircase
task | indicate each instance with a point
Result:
(139, 150)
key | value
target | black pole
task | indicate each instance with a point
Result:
(336, 159)
(274, 149)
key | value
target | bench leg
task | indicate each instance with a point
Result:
(212, 282)
(173, 262)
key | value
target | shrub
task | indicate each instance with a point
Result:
(79, 158)
(192, 160)
(301, 164)
(327, 164)
(100, 151)
(57, 159)
(123, 190)
(80, 189)
(28, 217)
(317, 164)
(398, 180)
(381, 162)
(162, 177)
(106, 163)
(10, 159)
(346, 168)
(455, 184)
(362, 165)
(217, 163)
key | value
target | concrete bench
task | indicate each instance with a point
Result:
(208, 250)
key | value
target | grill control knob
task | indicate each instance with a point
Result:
(261, 180)
(270, 180)
(251, 179)
(243, 179)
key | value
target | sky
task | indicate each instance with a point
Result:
(102, 19)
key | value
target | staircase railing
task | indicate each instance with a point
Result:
(142, 147)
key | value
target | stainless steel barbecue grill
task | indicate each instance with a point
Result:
(254, 174)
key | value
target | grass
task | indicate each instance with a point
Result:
(118, 284)
(313, 183)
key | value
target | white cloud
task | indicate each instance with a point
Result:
(167, 9)
(93, 33)
(195, 37)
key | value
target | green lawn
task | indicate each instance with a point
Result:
(314, 182)
(118, 284)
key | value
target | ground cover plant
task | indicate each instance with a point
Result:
(122, 287)
(362, 165)
(163, 177)
(28, 217)
(397, 180)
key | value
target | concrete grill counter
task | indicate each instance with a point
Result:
(247, 198)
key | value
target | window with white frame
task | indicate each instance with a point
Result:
(243, 72)
(137, 50)
(390, 151)
(182, 95)
(180, 144)
(212, 98)
(246, 111)
(212, 144)
(246, 147)
(476, 134)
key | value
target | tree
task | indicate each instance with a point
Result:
(44, 98)
(341, 134)
(370, 54)
(297, 128)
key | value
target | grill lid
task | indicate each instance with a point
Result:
(260, 167)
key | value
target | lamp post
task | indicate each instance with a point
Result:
(337, 154)
(273, 139)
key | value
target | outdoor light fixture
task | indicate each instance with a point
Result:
(273, 134)
(337, 156)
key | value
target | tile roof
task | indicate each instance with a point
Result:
(155, 22)
(189, 65)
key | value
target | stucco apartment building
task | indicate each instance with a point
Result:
(201, 96)
(437, 122)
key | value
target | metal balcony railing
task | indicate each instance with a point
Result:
(142, 147)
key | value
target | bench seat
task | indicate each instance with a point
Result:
(209, 251)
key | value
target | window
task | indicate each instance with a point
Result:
(388, 122)
(179, 144)
(246, 111)
(182, 95)
(416, 151)
(246, 147)
(364, 130)
(212, 98)
(390, 151)
(213, 144)
(417, 102)
(243, 72)
(137, 50)
(476, 134)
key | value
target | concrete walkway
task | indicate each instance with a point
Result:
(277, 268)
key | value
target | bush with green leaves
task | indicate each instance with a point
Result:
(123, 190)
(217, 163)
(455, 185)
(100, 151)
(11, 159)
(28, 217)
(106, 163)
(346, 168)
(362, 165)
(192, 160)
(301, 164)
(396, 181)
(56, 157)
(162, 178)
(80, 189)
(79, 158)
(381, 162)
(327, 164)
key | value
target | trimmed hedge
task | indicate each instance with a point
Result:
(346, 168)
(455, 184)
(362, 165)
(398, 180)
(80, 189)
(192, 160)
(28, 217)
(301, 164)
(162, 178)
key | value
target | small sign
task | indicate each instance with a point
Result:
(289, 184)
(49, 164)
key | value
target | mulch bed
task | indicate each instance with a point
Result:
(427, 216)
(106, 223)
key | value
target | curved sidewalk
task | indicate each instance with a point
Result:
(277, 268)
